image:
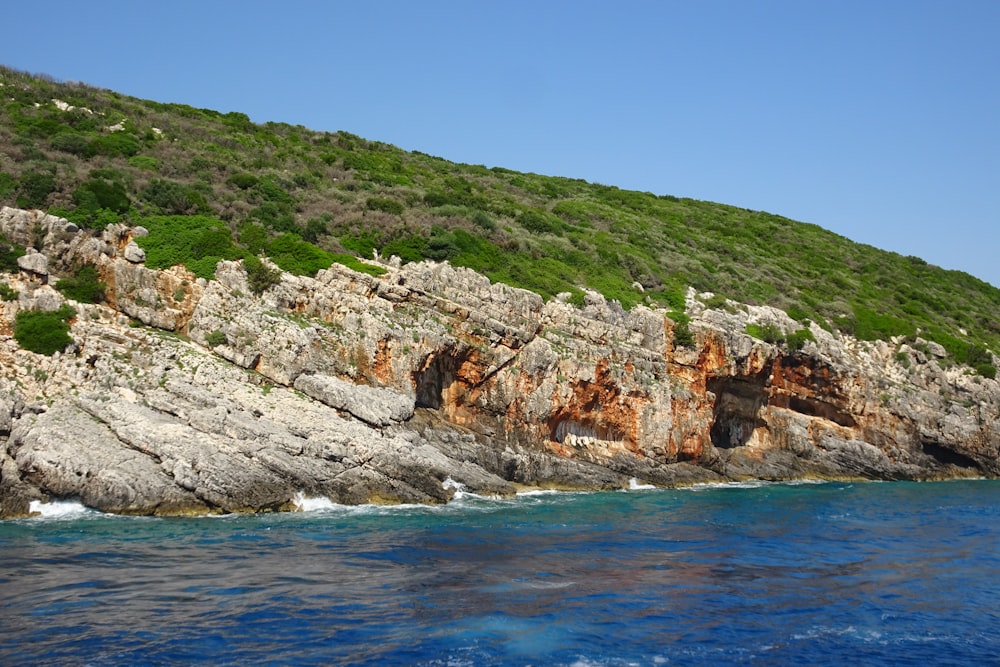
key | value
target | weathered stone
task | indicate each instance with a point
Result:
(403, 387)
(133, 253)
(34, 263)
(378, 407)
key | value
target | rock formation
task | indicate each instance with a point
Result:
(184, 396)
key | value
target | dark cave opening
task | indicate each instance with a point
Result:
(944, 454)
(736, 413)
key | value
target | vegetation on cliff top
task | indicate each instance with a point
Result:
(210, 185)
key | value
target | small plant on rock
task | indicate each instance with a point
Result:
(260, 276)
(84, 286)
(216, 338)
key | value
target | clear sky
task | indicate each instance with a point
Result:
(876, 119)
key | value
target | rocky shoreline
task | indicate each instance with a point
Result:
(185, 396)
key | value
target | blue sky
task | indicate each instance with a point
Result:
(879, 120)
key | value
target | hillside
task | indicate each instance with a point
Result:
(212, 186)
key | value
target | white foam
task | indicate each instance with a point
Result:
(57, 509)
(750, 484)
(527, 493)
(317, 504)
(634, 485)
(449, 483)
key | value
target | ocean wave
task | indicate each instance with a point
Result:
(59, 509)
(751, 484)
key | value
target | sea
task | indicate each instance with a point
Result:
(832, 573)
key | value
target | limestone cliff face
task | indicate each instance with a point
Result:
(398, 388)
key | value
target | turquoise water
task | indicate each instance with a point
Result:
(820, 574)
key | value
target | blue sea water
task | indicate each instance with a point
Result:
(809, 574)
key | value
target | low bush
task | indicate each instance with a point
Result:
(101, 193)
(34, 189)
(355, 264)
(114, 145)
(243, 181)
(979, 358)
(9, 252)
(769, 333)
(44, 332)
(682, 330)
(797, 339)
(386, 205)
(7, 293)
(198, 242)
(173, 198)
(85, 285)
(72, 142)
(7, 185)
(540, 222)
(296, 256)
(144, 162)
(260, 276)
(215, 338)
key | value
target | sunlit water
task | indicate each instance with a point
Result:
(818, 574)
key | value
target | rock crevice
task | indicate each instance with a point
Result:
(368, 389)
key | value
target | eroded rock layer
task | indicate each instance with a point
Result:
(182, 396)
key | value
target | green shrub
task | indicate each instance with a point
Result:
(682, 330)
(296, 256)
(7, 185)
(483, 221)
(387, 205)
(353, 263)
(798, 313)
(260, 276)
(198, 242)
(35, 188)
(872, 325)
(9, 252)
(84, 286)
(8, 293)
(441, 245)
(407, 248)
(769, 333)
(243, 181)
(979, 358)
(115, 144)
(716, 302)
(72, 142)
(215, 338)
(797, 339)
(577, 298)
(173, 198)
(44, 332)
(253, 237)
(540, 222)
(273, 192)
(86, 219)
(100, 193)
(275, 217)
(144, 162)
(315, 227)
(986, 370)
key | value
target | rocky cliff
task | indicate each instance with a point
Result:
(181, 395)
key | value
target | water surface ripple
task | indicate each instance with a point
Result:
(820, 574)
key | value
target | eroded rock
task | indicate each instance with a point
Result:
(402, 387)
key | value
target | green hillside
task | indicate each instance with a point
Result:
(210, 185)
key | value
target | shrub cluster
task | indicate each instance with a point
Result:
(85, 285)
(44, 332)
